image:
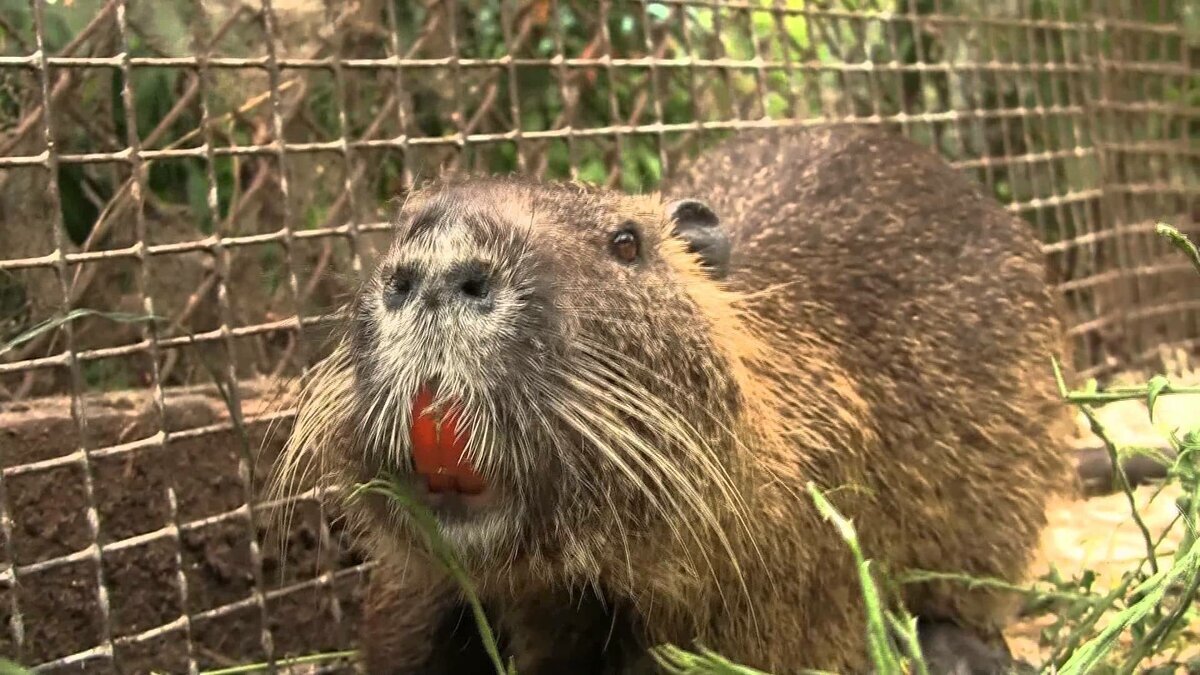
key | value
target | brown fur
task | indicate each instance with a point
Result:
(886, 332)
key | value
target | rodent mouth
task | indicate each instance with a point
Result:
(454, 505)
(438, 451)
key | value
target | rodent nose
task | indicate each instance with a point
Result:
(469, 284)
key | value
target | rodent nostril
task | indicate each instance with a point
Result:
(476, 286)
(473, 282)
(401, 284)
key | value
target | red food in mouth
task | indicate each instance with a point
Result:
(438, 446)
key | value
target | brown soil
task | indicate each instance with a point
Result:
(146, 574)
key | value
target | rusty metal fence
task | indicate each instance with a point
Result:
(188, 189)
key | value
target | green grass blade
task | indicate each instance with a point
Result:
(881, 651)
(1151, 593)
(307, 659)
(678, 661)
(51, 324)
(428, 526)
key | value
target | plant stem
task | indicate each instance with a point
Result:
(1123, 481)
(1124, 394)
(296, 661)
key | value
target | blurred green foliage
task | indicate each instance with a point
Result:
(1013, 90)
(609, 97)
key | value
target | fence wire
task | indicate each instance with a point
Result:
(189, 189)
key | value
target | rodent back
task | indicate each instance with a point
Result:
(929, 300)
(884, 234)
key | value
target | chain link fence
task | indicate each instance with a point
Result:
(189, 189)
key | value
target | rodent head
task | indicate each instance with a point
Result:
(579, 343)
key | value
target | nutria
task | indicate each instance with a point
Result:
(613, 404)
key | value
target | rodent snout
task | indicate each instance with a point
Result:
(467, 284)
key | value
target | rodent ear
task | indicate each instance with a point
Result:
(698, 225)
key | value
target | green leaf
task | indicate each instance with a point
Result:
(196, 186)
(658, 11)
(1181, 242)
(9, 668)
(1191, 23)
(593, 171)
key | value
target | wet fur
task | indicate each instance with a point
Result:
(885, 331)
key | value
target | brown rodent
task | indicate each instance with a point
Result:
(641, 388)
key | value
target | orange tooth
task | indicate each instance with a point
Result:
(439, 449)
(423, 434)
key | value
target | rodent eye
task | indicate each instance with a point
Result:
(624, 245)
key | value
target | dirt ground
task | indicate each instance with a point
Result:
(146, 576)
(155, 577)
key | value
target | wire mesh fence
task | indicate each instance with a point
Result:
(189, 189)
